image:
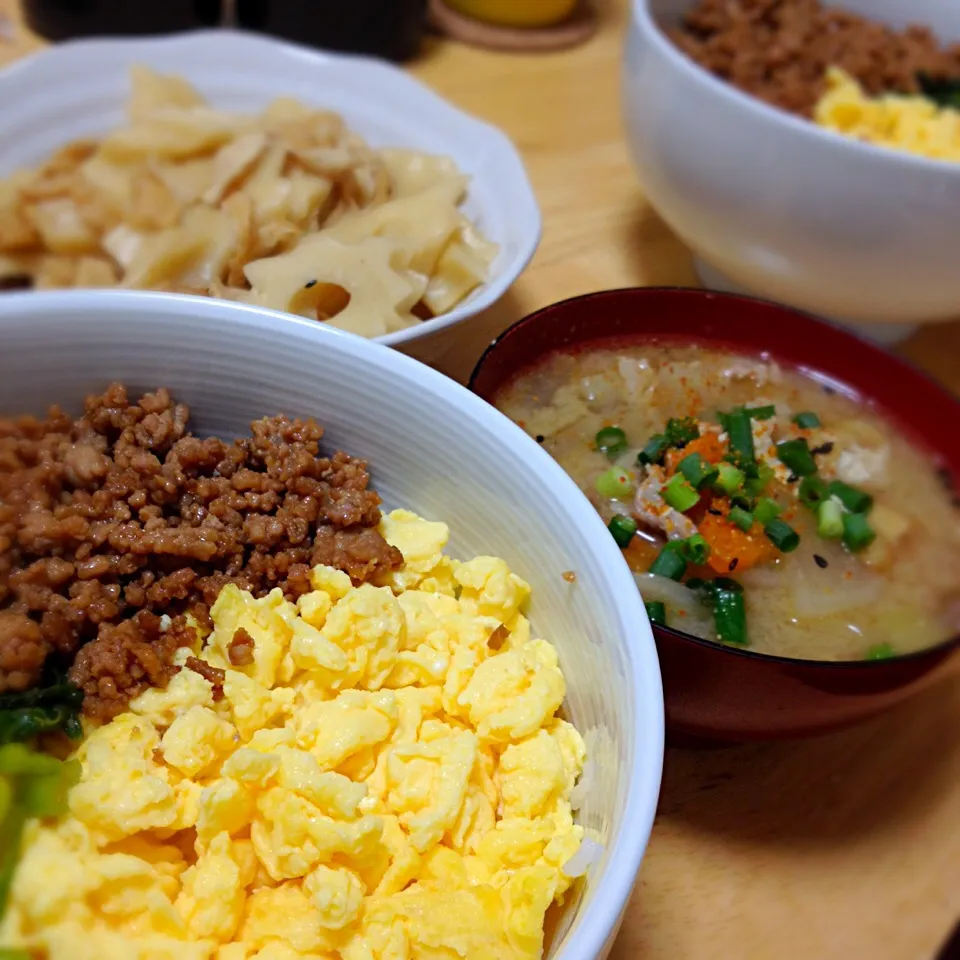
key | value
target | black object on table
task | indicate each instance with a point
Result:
(63, 19)
(385, 28)
(391, 29)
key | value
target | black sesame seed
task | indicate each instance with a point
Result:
(824, 448)
(821, 562)
(715, 513)
(829, 391)
(733, 565)
(793, 478)
(540, 438)
(309, 284)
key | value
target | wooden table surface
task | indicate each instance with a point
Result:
(836, 848)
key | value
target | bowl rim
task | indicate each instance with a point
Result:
(612, 887)
(897, 160)
(525, 212)
(942, 648)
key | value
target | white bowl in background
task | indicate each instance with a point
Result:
(773, 205)
(434, 448)
(80, 88)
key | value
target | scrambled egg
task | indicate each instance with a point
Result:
(911, 123)
(387, 780)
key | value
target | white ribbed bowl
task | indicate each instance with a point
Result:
(434, 448)
(79, 89)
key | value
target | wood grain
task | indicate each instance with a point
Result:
(836, 848)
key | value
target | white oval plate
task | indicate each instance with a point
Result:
(79, 89)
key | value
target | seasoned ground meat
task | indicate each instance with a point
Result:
(241, 649)
(779, 50)
(111, 520)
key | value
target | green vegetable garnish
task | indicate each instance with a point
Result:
(812, 492)
(758, 477)
(857, 532)
(856, 501)
(730, 478)
(695, 549)
(681, 431)
(882, 651)
(614, 483)
(726, 598)
(795, 455)
(612, 441)
(830, 520)
(782, 536)
(944, 93)
(766, 511)
(761, 413)
(654, 450)
(807, 420)
(31, 785)
(657, 612)
(623, 530)
(729, 612)
(739, 436)
(679, 494)
(742, 518)
(701, 473)
(669, 562)
(54, 706)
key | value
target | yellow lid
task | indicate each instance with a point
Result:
(515, 13)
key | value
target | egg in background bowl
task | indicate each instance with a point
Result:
(773, 205)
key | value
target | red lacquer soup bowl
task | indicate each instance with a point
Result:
(723, 692)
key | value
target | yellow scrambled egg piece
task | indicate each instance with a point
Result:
(387, 780)
(911, 123)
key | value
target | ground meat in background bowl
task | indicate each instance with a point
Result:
(111, 521)
(780, 50)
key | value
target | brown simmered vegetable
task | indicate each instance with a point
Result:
(112, 520)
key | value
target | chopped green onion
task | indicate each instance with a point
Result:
(744, 503)
(856, 501)
(669, 562)
(679, 494)
(657, 612)
(682, 431)
(882, 651)
(758, 479)
(611, 440)
(795, 455)
(782, 535)
(623, 530)
(654, 450)
(761, 413)
(729, 479)
(812, 492)
(807, 420)
(857, 532)
(701, 473)
(766, 511)
(742, 518)
(695, 549)
(830, 520)
(729, 612)
(739, 435)
(616, 482)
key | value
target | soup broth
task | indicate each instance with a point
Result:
(776, 512)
